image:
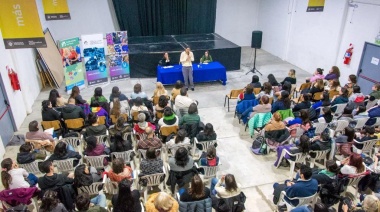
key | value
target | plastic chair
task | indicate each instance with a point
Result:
(354, 181)
(32, 167)
(73, 141)
(93, 189)
(65, 165)
(301, 200)
(360, 122)
(302, 87)
(95, 161)
(103, 139)
(299, 158)
(126, 156)
(205, 144)
(74, 124)
(368, 146)
(110, 187)
(319, 155)
(209, 172)
(339, 108)
(340, 125)
(233, 95)
(320, 127)
(370, 103)
(153, 180)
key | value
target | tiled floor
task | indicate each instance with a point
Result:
(255, 173)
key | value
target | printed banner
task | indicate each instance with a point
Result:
(94, 59)
(20, 24)
(315, 6)
(72, 63)
(56, 9)
(118, 58)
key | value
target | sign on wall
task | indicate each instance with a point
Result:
(315, 6)
(94, 59)
(72, 63)
(20, 24)
(56, 10)
(118, 58)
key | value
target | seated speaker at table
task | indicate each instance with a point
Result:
(165, 61)
(206, 58)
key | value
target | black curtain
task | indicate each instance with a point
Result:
(165, 17)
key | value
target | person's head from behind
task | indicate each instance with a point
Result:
(181, 135)
(320, 207)
(98, 92)
(326, 111)
(277, 117)
(335, 70)
(91, 142)
(75, 92)
(151, 153)
(318, 71)
(163, 202)
(292, 73)
(33, 126)
(305, 172)
(168, 111)
(138, 102)
(284, 95)
(197, 188)
(124, 199)
(53, 95)
(137, 88)
(361, 109)
(82, 202)
(181, 157)
(319, 84)
(352, 78)
(183, 91)
(356, 89)
(141, 117)
(287, 86)
(46, 104)
(209, 129)
(230, 182)
(71, 101)
(211, 152)
(325, 136)
(272, 80)
(60, 149)
(49, 200)
(334, 83)
(325, 96)
(163, 101)
(331, 166)
(193, 108)
(46, 167)
(149, 131)
(120, 122)
(92, 118)
(178, 84)
(369, 130)
(249, 89)
(255, 79)
(304, 114)
(116, 107)
(267, 87)
(27, 147)
(304, 144)
(118, 165)
(371, 203)
(264, 99)
(306, 97)
(159, 86)
(356, 161)
(348, 110)
(350, 133)
(115, 91)
(343, 92)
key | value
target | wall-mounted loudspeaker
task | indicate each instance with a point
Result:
(257, 37)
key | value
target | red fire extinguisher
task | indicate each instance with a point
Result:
(348, 55)
(14, 79)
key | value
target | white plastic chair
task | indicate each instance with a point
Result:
(103, 139)
(354, 181)
(368, 146)
(73, 141)
(301, 200)
(319, 127)
(319, 155)
(377, 123)
(340, 125)
(153, 180)
(209, 172)
(91, 190)
(360, 122)
(126, 156)
(173, 149)
(65, 165)
(95, 161)
(299, 132)
(299, 158)
(370, 104)
(339, 108)
(205, 144)
(32, 167)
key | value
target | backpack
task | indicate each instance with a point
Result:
(232, 204)
(259, 146)
(330, 192)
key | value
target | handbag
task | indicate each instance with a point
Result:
(232, 204)
(259, 146)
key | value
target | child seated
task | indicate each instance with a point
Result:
(367, 134)
(26, 155)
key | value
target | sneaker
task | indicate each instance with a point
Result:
(192, 89)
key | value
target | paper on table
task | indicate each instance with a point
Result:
(168, 66)
(50, 131)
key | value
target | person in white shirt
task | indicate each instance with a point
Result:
(182, 101)
(14, 177)
(187, 68)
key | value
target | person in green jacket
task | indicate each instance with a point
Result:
(206, 58)
(98, 96)
(375, 91)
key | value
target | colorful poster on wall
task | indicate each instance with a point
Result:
(118, 58)
(20, 24)
(94, 59)
(315, 6)
(56, 10)
(72, 63)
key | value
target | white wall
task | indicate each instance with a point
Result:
(87, 17)
(235, 20)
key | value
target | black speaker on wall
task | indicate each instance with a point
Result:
(257, 37)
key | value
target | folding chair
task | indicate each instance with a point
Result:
(360, 122)
(127, 156)
(103, 139)
(96, 161)
(339, 108)
(299, 158)
(233, 95)
(65, 165)
(301, 200)
(319, 155)
(354, 181)
(302, 87)
(320, 127)
(32, 167)
(74, 124)
(368, 146)
(52, 124)
(340, 125)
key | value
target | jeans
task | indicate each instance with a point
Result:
(32, 179)
(187, 72)
(69, 147)
(214, 181)
(99, 200)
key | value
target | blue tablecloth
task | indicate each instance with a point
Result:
(206, 72)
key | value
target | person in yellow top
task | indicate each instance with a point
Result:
(187, 68)
(206, 58)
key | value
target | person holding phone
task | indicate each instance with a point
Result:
(187, 67)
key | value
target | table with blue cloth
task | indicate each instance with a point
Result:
(201, 72)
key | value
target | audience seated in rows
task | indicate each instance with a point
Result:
(35, 134)
(225, 187)
(138, 106)
(357, 97)
(152, 164)
(53, 181)
(117, 109)
(341, 98)
(209, 158)
(191, 117)
(305, 104)
(247, 94)
(162, 103)
(207, 134)
(302, 146)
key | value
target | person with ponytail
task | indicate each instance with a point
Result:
(126, 200)
(14, 177)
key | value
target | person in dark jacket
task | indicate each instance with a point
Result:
(305, 104)
(283, 103)
(291, 77)
(207, 134)
(342, 98)
(71, 111)
(126, 199)
(197, 191)
(75, 94)
(272, 80)
(52, 180)
(95, 129)
(62, 151)
(48, 112)
(373, 113)
(85, 175)
(165, 61)
(26, 155)
(95, 149)
(255, 81)
(119, 144)
(324, 176)
(117, 94)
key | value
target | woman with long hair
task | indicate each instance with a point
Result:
(116, 93)
(318, 86)
(120, 127)
(191, 117)
(126, 200)
(207, 134)
(95, 149)
(116, 108)
(352, 165)
(63, 151)
(56, 99)
(352, 81)
(272, 80)
(50, 202)
(225, 187)
(283, 103)
(291, 77)
(180, 139)
(181, 160)
(334, 85)
(197, 191)
(137, 92)
(334, 73)
(14, 177)
(162, 103)
(98, 97)
(75, 94)
(267, 91)
(160, 90)
(48, 112)
(85, 175)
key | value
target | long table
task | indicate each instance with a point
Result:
(202, 73)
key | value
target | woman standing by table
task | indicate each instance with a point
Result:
(206, 58)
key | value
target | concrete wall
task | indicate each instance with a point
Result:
(235, 20)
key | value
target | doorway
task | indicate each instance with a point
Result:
(7, 125)
(369, 67)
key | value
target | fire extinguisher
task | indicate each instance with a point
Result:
(348, 55)
(14, 79)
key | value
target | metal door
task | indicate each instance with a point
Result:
(369, 68)
(6, 121)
